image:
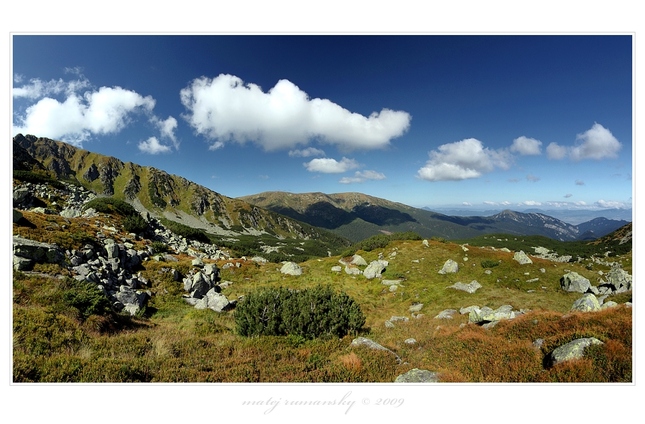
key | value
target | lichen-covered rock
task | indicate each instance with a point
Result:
(574, 282)
(586, 303)
(418, 376)
(446, 314)
(291, 268)
(449, 267)
(471, 287)
(573, 350)
(374, 269)
(522, 258)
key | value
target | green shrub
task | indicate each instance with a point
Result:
(307, 313)
(159, 247)
(489, 263)
(135, 224)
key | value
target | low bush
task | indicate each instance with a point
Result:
(308, 313)
(489, 263)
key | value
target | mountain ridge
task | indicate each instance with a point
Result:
(357, 216)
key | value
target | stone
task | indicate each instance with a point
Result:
(415, 307)
(449, 267)
(364, 341)
(336, 268)
(358, 261)
(446, 314)
(291, 268)
(471, 287)
(17, 215)
(418, 376)
(573, 350)
(374, 269)
(574, 282)
(586, 303)
(352, 270)
(522, 258)
(425, 243)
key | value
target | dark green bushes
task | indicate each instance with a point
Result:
(308, 313)
(489, 263)
(133, 222)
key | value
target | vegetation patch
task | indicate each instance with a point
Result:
(308, 313)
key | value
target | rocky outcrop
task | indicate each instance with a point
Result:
(617, 280)
(27, 253)
(588, 302)
(574, 282)
(374, 269)
(487, 315)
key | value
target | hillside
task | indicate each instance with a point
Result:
(357, 216)
(156, 193)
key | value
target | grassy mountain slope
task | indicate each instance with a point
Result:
(160, 194)
(63, 333)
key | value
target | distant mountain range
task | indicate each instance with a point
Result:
(572, 216)
(357, 216)
(335, 218)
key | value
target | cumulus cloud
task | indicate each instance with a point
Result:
(596, 143)
(555, 151)
(530, 203)
(153, 146)
(306, 153)
(463, 160)
(167, 128)
(226, 109)
(331, 166)
(74, 111)
(526, 146)
(362, 176)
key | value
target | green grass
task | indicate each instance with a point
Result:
(63, 333)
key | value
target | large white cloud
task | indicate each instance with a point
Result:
(526, 146)
(71, 112)
(331, 166)
(463, 160)
(595, 143)
(226, 109)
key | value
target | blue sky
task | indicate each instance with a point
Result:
(475, 121)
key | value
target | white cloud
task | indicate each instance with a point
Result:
(505, 203)
(610, 204)
(306, 153)
(167, 128)
(153, 146)
(466, 204)
(331, 166)
(489, 203)
(526, 146)
(596, 143)
(216, 146)
(463, 160)
(226, 109)
(555, 151)
(73, 111)
(529, 203)
(38, 88)
(362, 176)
